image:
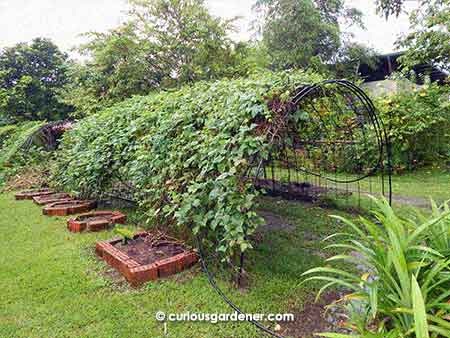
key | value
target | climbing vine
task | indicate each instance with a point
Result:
(186, 153)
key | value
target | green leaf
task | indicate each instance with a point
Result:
(420, 315)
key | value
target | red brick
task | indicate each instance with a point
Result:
(64, 208)
(143, 274)
(138, 274)
(52, 198)
(29, 194)
(167, 267)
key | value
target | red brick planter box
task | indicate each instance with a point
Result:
(137, 273)
(68, 208)
(29, 194)
(95, 221)
(52, 198)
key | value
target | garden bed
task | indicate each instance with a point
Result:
(146, 257)
(95, 221)
(29, 194)
(65, 208)
(304, 191)
(52, 198)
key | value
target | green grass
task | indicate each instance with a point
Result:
(421, 184)
(425, 183)
(52, 284)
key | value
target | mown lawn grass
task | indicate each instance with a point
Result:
(52, 284)
(427, 183)
(423, 184)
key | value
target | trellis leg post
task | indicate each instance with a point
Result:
(389, 160)
(241, 268)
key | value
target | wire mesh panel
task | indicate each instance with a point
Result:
(326, 143)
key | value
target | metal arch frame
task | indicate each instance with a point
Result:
(384, 142)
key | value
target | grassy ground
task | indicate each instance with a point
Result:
(414, 187)
(425, 183)
(52, 284)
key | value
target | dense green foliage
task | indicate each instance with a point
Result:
(184, 151)
(6, 132)
(404, 288)
(389, 7)
(30, 76)
(12, 138)
(418, 123)
(429, 40)
(164, 43)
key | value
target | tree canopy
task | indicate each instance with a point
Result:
(389, 7)
(429, 41)
(163, 44)
(429, 37)
(30, 76)
(303, 33)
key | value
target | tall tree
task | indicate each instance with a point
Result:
(164, 43)
(301, 33)
(30, 76)
(184, 41)
(429, 41)
(349, 57)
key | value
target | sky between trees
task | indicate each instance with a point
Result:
(64, 20)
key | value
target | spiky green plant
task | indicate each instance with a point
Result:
(404, 288)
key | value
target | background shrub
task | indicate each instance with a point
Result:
(418, 123)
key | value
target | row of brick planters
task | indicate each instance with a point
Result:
(65, 208)
(29, 194)
(136, 273)
(95, 221)
(134, 270)
(52, 198)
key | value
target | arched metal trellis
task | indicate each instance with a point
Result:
(328, 141)
(49, 135)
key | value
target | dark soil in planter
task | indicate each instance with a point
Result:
(144, 252)
(95, 221)
(67, 204)
(52, 198)
(148, 256)
(91, 218)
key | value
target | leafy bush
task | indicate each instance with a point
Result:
(418, 122)
(404, 288)
(185, 152)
